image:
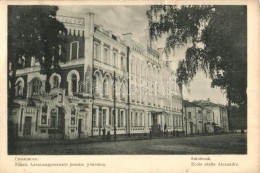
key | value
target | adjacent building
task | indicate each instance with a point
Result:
(108, 82)
(205, 117)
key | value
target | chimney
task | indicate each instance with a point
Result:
(101, 28)
(89, 24)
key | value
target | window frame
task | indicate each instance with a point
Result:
(77, 42)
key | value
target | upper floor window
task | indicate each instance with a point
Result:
(123, 63)
(115, 59)
(74, 83)
(106, 55)
(189, 115)
(137, 67)
(96, 51)
(105, 87)
(36, 86)
(55, 82)
(74, 50)
(133, 66)
(73, 80)
(19, 89)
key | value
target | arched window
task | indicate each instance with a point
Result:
(95, 85)
(123, 91)
(74, 82)
(55, 82)
(36, 86)
(105, 87)
(19, 86)
(19, 89)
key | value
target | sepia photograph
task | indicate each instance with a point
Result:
(129, 86)
(125, 79)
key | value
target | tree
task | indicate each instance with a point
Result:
(33, 31)
(217, 36)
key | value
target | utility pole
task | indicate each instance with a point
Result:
(114, 105)
(186, 118)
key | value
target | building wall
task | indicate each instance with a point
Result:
(150, 86)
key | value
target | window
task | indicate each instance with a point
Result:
(106, 55)
(74, 50)
(136, 119)
(123, 63)
(53, 121)
(96, 51)
(19, 89)
(112, 118)
(122, 118)
(115, 59)
(189, 115)
(105, 87)
(123, 91)
(94, 117)
(132, 118)
(141, 120)
(55, 82)
(95, 85)
(137, 67)
(119, 120)
(104, 117)
(74, 81)
(36, 86)
(133, 66)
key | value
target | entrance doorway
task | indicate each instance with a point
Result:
(27, 126)
(191, 128)
(79, 127)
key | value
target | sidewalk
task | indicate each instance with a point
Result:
(31, 142)
(95, 139)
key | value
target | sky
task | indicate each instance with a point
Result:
(124, 19)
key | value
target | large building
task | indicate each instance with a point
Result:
(82, 98)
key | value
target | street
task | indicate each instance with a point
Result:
(232, 143)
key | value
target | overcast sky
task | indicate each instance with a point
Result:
(125, 19)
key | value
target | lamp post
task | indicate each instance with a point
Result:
(114, 88)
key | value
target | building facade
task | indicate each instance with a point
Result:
(107, 82)
(205, 117)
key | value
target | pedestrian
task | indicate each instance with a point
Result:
(150, 133)
(108, 135)
(103, 133)
(165, 127)
(178, 133)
